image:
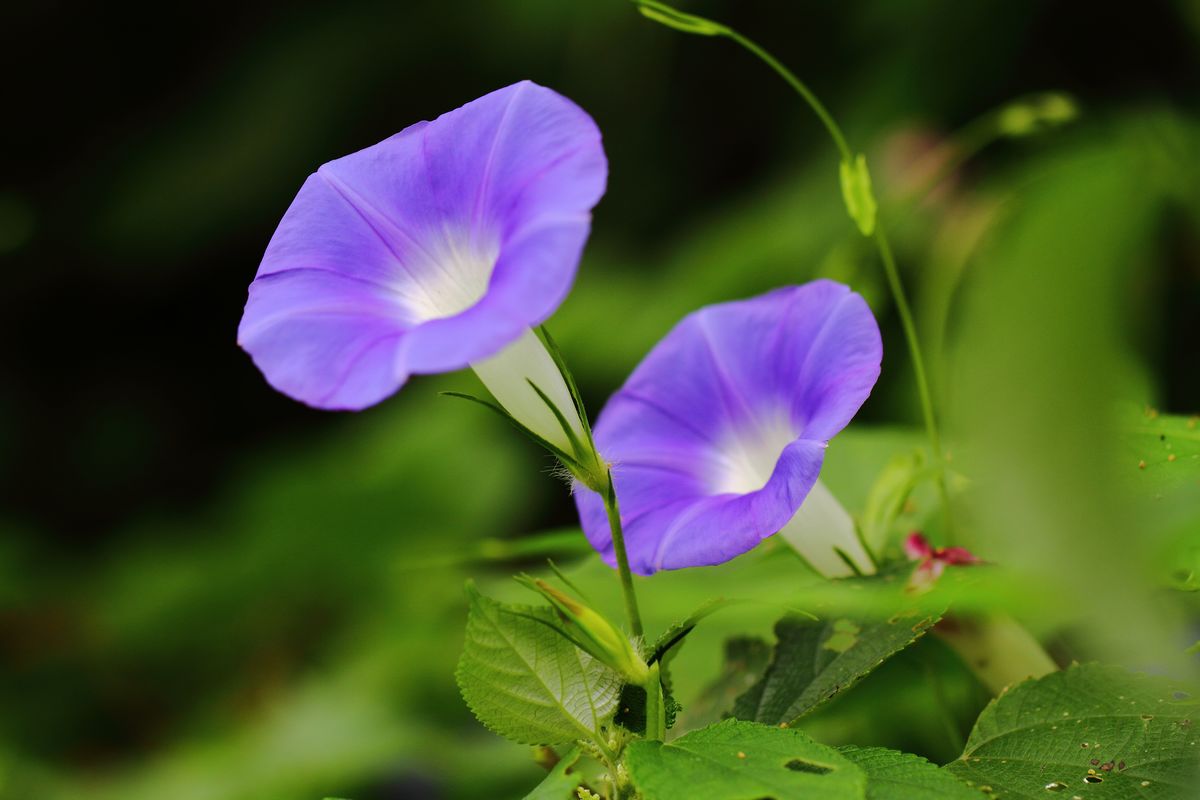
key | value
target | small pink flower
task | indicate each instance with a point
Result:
(933, 560)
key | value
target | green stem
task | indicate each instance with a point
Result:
(618, 537)
(656, 716)
(914, 350)
(610, 762)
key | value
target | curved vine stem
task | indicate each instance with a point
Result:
(914, 349)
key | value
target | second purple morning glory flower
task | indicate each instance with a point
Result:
(718, 437)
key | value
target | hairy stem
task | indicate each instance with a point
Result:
(618, 537)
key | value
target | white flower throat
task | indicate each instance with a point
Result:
(821, 526)
(747, 457)
(448, 276)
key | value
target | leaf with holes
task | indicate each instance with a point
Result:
(735, 760)
(526, 682)
(1094, 731)
(815, 660)
(892, 775)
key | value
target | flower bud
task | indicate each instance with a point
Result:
(679, 20)
(857, 193)
(594, 634)
(1036, 113)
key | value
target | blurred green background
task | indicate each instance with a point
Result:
(210, 592)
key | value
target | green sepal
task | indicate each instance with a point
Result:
(645, 710)
(557, 357)
(585, 464)
(857, 193)
(680, 21)
(567, 460)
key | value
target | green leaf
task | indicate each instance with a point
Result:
(857, 193)
(814, 660)
(1163, 449)
(736, 760)
(1094, 731)
(892, 775)
(561, 782)
(527, 683)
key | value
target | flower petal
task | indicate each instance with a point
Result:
(917, 547)
(723, 527)
(326, 339)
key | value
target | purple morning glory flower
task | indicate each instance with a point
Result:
(717, 438)
(435, 249)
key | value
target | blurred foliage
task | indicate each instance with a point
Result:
(208, 592)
